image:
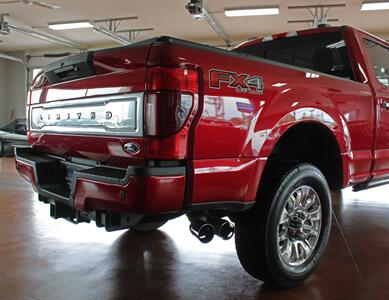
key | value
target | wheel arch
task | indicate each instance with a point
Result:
(321, 141)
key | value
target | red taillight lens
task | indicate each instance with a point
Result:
(173, 79)
(169, 99)
(166, 112)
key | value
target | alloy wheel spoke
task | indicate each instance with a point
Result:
(315, 215)
(296, 251)
(283, 236)
(308, 204)
(305, 195)
(293, 199)
(314, 233)
(308, 244)
(284, 216)
(287, 250)
(306, 248)
(298, 200)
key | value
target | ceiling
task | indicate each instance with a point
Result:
(169, 17)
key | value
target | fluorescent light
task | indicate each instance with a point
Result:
(375, 6)
(244, 12)
(71, 25)
(45, 37)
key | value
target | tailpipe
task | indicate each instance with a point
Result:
(223, 228)
(202, 230)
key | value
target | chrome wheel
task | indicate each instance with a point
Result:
(299, 226)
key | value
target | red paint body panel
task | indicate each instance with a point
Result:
(229, 134)
(118, 71)
(381, 93)
(211, 176)
(143, 195)
(286, 91)
(105, 149)
(27, 172)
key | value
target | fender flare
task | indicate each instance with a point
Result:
(311, 115)
(264, 141)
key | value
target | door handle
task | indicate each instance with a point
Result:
(385, 105)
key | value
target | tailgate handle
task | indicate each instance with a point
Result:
(67, 72)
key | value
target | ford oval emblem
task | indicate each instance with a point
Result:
(132, 148)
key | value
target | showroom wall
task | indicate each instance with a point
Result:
(16, 88)
(12, 89)
(3, 92)
(13, 83)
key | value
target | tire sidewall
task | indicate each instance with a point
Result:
(312, 177)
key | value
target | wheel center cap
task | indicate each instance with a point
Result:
(296, 225)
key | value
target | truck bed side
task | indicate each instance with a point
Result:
(237, 131)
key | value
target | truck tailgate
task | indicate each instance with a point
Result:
(90, 105)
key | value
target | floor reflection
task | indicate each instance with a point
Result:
(144, 266)
(42, 258)
(378, 196)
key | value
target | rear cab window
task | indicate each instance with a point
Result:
(323, 52)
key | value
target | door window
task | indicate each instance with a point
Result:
(379, 57)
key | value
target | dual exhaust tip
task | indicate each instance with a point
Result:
(205, 230)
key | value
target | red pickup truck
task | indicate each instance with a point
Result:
(249, 141)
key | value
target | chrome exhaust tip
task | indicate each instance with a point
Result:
(223, 228)
(202, 230)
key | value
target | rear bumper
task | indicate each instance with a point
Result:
(85, 187)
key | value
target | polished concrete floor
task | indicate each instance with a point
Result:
(41, 258)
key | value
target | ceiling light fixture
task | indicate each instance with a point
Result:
(245, 12)
(45, 37)
(71, 25)
(366, 6)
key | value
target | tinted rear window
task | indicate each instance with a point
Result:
(325, 52)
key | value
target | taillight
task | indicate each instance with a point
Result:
(166, 112)
(173, 79)
(170, 100)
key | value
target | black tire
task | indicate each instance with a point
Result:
(256, 230)
(147, 226)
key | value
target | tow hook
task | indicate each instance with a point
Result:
(204, 228)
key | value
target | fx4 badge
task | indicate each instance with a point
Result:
(242, 83)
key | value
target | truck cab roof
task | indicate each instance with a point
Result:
(283, 35)
(305, 32)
